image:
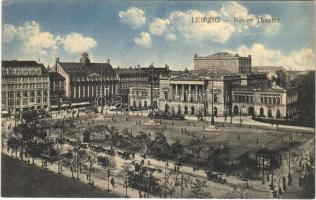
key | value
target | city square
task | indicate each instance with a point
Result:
(135, 99)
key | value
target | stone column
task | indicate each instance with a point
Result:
(196, 93)
(79, 87)
(177, 96)
(74, 89)
(183, 92)
(189, 95)
(88, 89)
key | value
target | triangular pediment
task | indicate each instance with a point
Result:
(94, 74)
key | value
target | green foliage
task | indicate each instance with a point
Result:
(199, 189)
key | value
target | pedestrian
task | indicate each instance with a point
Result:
(87, 176)
(112, 182)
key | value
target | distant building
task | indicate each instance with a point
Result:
(130, 77)
(25, 86)
(140, 97)
(86, 80)
(224, 61)
(266, 102)
(268, 69)
(191, 92)
(138, 76)
(57, 88)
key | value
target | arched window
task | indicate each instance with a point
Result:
(215, 111)
(166, 108)
(145, 104)
(186, 109)
(179, 109)
(278, 114)
(261, 112)
(236, 112)
(270, 113)
(250, 111)
(192, 110)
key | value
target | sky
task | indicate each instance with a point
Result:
(159, 32)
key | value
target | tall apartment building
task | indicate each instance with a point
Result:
(25, 86)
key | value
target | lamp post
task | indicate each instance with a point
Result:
(212, 119)
(151, 75)
(289, 175)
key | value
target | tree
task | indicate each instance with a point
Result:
(91, 159)
(110, 167)
(160, 147)
(126, 170)
(239, 192)
(281, 79)
(177, 148)
(199, 189)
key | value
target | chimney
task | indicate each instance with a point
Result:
(57, 61)
(108, 60)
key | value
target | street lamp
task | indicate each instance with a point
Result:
(289, 175)
(151, 75)
(212, 119)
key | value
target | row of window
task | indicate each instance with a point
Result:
(92, 79)
(24, 101)
(134, 78)
(243, 98)
(25, 85)
(24, 94)
(25, 72)
(270, 100)
(27, 79)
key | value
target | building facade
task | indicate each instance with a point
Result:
(57, 88)
(25, 86)
(130, 77)
(194, 91)
(273, 102)
(85, 80)
(224, 61)
(140, 97)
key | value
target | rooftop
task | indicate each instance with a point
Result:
(24, 63)
(79, 69)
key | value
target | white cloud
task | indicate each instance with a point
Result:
(159, 26)
(300, 59)
(144, 40)
(180, 24)
(234, 9)
(8, 33)
(171, 37)
(134, 17)
(33, 43)
(77, 43)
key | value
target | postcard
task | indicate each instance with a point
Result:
(158, 99)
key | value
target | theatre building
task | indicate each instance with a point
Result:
(224, 61)
(265, 102)
(86, 80)
(193, 92)
(25, 85)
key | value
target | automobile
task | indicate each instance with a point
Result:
(216, 177)
(166, 115)
(103, 159)
(84, 145)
